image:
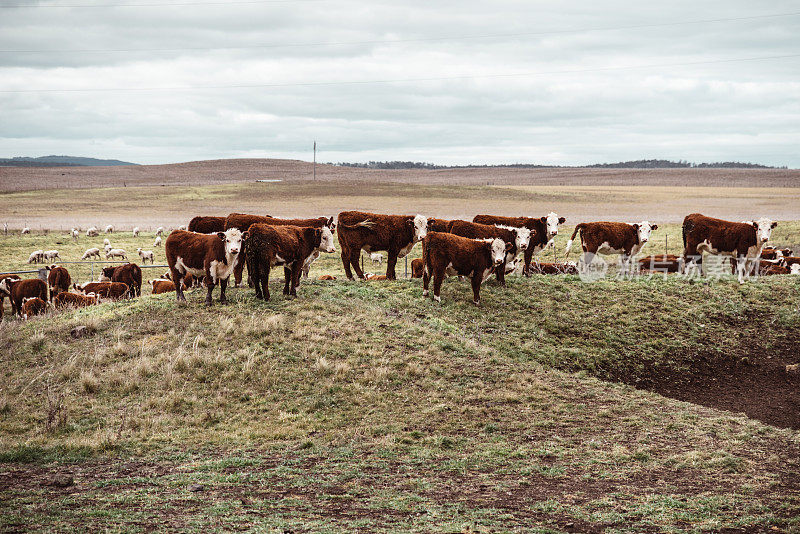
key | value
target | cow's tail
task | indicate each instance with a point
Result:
(363, 224)
(685, 229)
(578, 228)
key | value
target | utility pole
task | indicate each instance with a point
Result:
(315, 160)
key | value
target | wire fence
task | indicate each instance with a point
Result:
(43, 271)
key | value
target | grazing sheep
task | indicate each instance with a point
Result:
(376, 258)
(92, 232)
(51, 255)
(36, 256)
(116, 253)
(110, 229)
(182, 227)
(157, 242)
(106, 242)
(26, 230)
(145, 255)
(74, 233)
(91, 252)
(135, 231)
(160, 230)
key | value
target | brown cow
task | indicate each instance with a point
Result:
(417, 266)
(439, 225)
(543, 231)
(326, 277)
(772, 253)
(317, 222)
(162, 286)
(130, 274)
(517, 238)
(189, 280)
(742, 241)
(765, 269)
(662, 263)
(788, 261)
(447, 255)
(396, 234)
(65, 298)
(242, 222)
(207, 224)
(18, 290)
(2, 295)
(112, 290)
(290, 246)
(214, 255)
(612, 238)
(554, 268)
(33, 306)
(58, 280)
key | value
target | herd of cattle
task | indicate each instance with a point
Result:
(213, 248)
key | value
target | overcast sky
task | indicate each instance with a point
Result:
(451, 82)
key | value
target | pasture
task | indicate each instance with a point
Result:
(626, 406)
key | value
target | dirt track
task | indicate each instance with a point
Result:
(247, 170)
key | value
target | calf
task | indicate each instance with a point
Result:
(543, 231)
(58, 280)
(290, 246)
(741, 241)
(2, 295)
(788, 261)
(145, 255)
(447, 254)
(33, 306)
(91, 252)
(112, 290)
(612, 238)
(518, 239)
(162, 286)
(92, 232)
(766, 269)
(207, 224)
(36, 256)
(417, 266)
(662, 263)
(18, 290)
(212, 255)
(74, 300)
(188, 281)
(554, 268)
(371, 232)
(326, 277)
(130, 274)
(772, 253)
(116, 253)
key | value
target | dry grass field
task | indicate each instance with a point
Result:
(644, 405)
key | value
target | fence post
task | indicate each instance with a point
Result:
(43, 273)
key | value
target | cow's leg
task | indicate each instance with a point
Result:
(355, 255)
(210, 284)
(476, 288)
(438, 278)
(223, 285)
(296, 272)
(500, 272)
(426, 278)
(391, 262)
(177, 279)
(346, 262)
(287, 275)
(528, 258)
(586, 260)
(265, 281)
(238, 269)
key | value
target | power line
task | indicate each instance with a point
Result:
(393, 41)
(398, 80)
(158, 4)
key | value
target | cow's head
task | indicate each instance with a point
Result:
(5, 286)
(763, 228)
(551, 222)
(643, 230)
(420, 227)
(498, 249)
(325, 237)
(233, 239)
(512, 265)
(522, 238)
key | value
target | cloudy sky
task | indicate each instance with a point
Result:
(452, 82)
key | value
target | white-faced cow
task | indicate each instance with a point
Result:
(543, 231)
(612, 238)
(372, 232)
(448, 255)
(212, 255)
(518, 240)
(741, 241)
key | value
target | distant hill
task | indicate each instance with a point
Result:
(60, 161)
(666, 164)
(637, 164)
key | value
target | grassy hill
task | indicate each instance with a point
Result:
(361, 406)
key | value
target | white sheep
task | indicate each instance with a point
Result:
(91, 252)
(51, 255)
(135, 231)
(92, 232)
(36, 256)
(159, 230)
(157, 242)
(182, 227)
(110, 229)
(376, 258)
(74, 233)
(145, 255)
(26, 231)
(116, 253)
(106, 242)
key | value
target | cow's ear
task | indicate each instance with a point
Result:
(221, 235)
(543, 219)
(635, 226)
(330, 222)
(654, 227)
(774, 224)
(245, 235)
(508, 246)
(755, 225)
(562, 220)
